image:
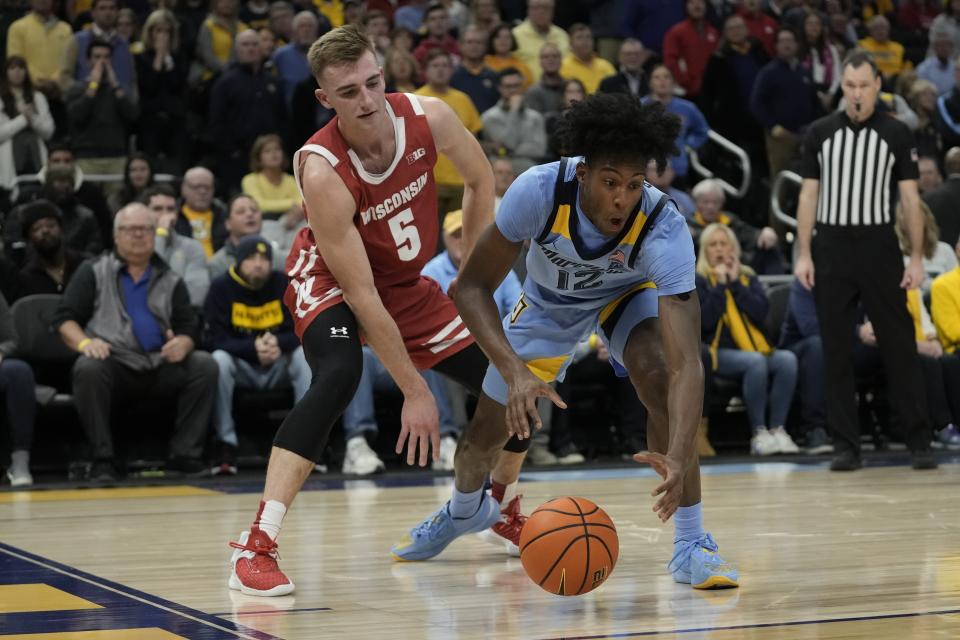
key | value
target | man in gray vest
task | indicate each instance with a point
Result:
(130, 318)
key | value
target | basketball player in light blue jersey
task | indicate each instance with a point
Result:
(609, 254)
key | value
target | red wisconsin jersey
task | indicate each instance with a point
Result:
(397, 220)
(397, 209)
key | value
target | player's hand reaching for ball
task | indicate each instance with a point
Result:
(523, 389)
(671, 489)
(420, 424)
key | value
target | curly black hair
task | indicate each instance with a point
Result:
(618, 127)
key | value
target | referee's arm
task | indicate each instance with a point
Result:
(806, 216)
(910, 199)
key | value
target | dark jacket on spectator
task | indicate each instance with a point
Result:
(80, 229)
(244, 105)
(750, 299)
(727, 85)
(649, 20)
(94, 300)
(231, 300)
(100, 126)
(783, 96)
(34, 278)
(618, 83)
(800, 320)
(161, 92)
(307, 115)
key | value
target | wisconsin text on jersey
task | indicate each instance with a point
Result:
(394, 202)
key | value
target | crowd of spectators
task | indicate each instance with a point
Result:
(145, 177)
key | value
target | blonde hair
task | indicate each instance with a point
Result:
(153, 21)
(931, 231)
(342, 45)
(703, 265)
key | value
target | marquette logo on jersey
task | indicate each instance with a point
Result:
(395, 201)
(617, 261)
(416, 155)
(255, 319)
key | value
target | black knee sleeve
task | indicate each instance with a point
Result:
(336, 361)
(516, 445)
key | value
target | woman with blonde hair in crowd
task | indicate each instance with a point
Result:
(733, 308)
(401, 72)
(922, 97)
(162, 85)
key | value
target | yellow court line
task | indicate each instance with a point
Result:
(152, 633)
(174, 491)
(31, 598)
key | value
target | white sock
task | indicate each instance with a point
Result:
(509, 493)
(270, 518)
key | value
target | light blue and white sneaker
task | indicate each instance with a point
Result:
(432, 536)
(948, 437)
(698, 564)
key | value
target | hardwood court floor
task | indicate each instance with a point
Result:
(872, 554)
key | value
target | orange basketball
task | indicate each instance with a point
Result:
(569, 546)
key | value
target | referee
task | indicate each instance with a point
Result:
(854, 163)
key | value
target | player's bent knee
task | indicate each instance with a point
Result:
(516, 445)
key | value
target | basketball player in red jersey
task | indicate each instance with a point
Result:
(367, 184)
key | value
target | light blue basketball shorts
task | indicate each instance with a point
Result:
(546, 337)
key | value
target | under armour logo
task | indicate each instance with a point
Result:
(338, 333)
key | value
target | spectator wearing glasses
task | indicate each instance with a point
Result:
(130, 318)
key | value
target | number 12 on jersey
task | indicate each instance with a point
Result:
(585, 280)
(405, 235)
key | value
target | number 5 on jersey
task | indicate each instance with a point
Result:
(405, 234)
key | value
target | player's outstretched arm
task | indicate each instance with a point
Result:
(680, 329)
(493, 257)
(330, 211)
(680, 332)
(454, 141)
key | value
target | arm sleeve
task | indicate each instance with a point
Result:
(79, 105)
(752, 300)
(809, 155)
(78, 298)
(905, 152)
(667, 255)
(43, 124)
(12, 127)
(196, 276)
(526, 204)
(672, 55)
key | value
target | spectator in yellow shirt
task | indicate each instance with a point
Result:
(537, 30)
(887, 53)
(274, 190)
(582, 62)
(502, 46)
(945, 308)
(41, 39)
(438, 69)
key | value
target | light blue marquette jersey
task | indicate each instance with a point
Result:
(580, 281)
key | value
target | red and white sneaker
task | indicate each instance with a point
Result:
(506, 532)
(253, 566)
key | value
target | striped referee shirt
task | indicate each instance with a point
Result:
(858, 166)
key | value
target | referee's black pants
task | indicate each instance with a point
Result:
(864, 264)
